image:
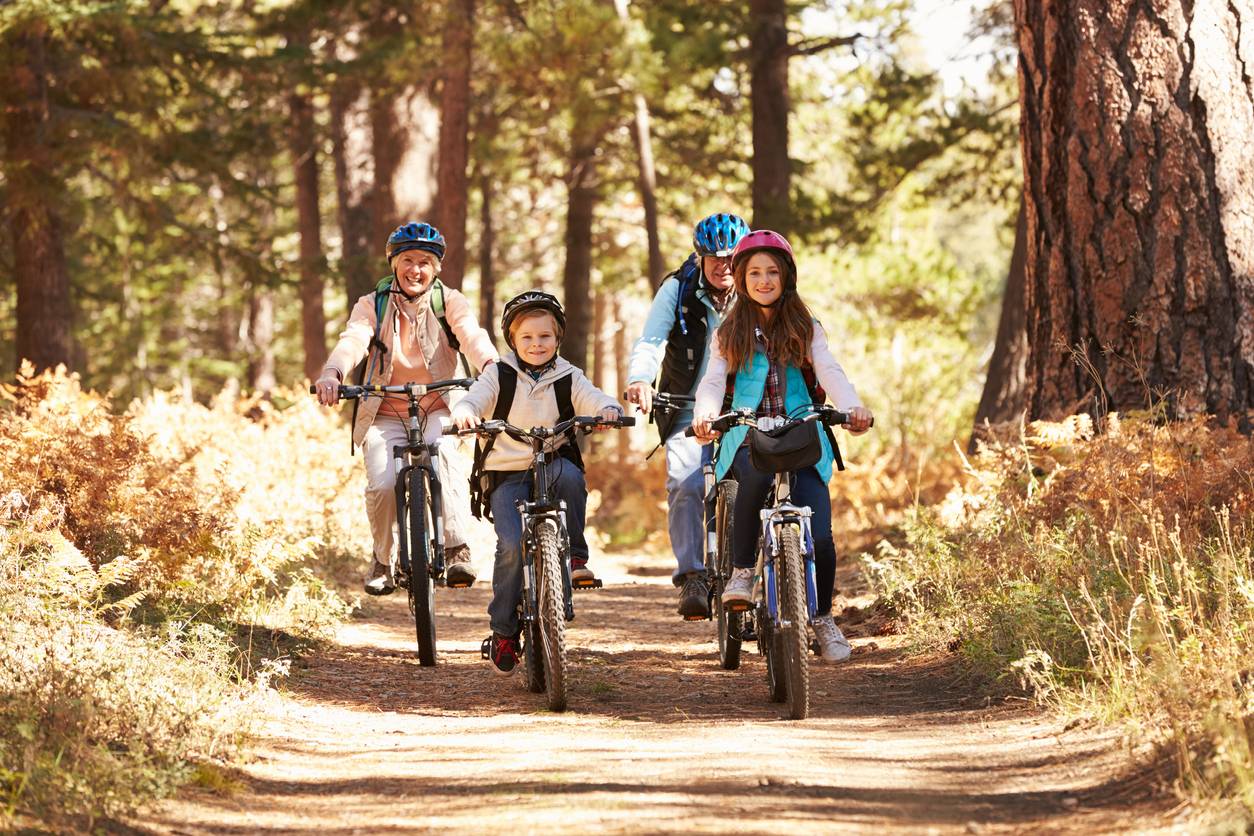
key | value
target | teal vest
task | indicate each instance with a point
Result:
(750, 386)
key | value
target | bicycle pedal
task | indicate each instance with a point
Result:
(738, 606)
(460, 585)
(696, 618)
(594, 583)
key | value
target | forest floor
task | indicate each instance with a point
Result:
(657, 739)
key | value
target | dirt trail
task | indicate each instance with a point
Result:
(657, 738)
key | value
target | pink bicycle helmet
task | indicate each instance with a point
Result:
(765, 239)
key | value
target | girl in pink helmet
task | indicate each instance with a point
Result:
(774, 352)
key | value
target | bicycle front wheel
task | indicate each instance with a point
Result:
(730, 624)
(421, 586)
(552, 620)
(792, 637)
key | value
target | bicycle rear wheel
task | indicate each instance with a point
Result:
(793, 644)
(421, 586)
(552, 621)
(730, 624)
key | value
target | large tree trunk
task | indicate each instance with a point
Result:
(354, 176)
(261, 340)
(43, 284)
(304, 147)
(577, 276)
(487, 240)
(454, 142)
(387, 146)
(1139, 197)
(414, 180)
(1003, 398)
(641, 137)
(768, 63)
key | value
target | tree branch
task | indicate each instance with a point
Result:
(813, 46)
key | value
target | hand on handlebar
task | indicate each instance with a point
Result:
(701, 429)
(641, 394)
(467, 422)
(327, 388)
(860, 420)
(610, 414)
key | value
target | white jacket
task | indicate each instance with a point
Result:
(535, 405)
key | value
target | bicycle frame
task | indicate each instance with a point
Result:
(779, 514)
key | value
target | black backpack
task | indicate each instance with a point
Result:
(483, 482)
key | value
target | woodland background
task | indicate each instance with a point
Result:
(1039, 274)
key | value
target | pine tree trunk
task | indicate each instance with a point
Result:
(387, 147)
(1003, 397)
(487, 240)
(44, 335)
(621, 353)
(768, 63)
(1139, 198)
(261, 338)
(577, 276)
(312, 263)
(598, 340)
(354, 176)
(641, 137)
(454, 143)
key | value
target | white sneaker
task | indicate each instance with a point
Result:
(739, 589)
(833, 645)
(380, 581)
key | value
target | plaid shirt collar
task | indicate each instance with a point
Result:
(772, 403)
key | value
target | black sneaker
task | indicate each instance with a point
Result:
(501, 652)
(694, 597)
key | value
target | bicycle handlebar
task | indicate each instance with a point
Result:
(416, 390)
(828, 415)
(492, 427)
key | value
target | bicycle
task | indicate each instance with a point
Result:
(419, 509)
(547, 602)
(787, 595)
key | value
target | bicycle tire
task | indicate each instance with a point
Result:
(795, 646)
(552, 621)
(730, 624)
(421, 585)
(533, 657)
(771, 644)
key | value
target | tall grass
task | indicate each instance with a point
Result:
(155, 565)
(1110, 574)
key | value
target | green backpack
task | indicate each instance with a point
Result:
(382, 290)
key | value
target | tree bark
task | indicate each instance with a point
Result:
(487, 240)
(261, 340)
(304, 148)
(768, 64)
(1004, 389)
(451, 199)
(577, 275)
(44, 335)
(1139, 198)
(387, 147)
(354, 174)
(642, 139)
(598, 340)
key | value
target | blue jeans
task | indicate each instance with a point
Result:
(685, 503)
(566, 483)
(807, 490)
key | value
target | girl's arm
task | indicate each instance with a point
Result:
(710, 391)
(836, 383)
(479, 400)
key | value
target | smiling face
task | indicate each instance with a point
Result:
(414, 270)
(535, 337)
(717, 271)
(764, 278)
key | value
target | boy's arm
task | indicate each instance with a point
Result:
(480, 398)
(474, 339)
(831, 376)
(646, 354)
(587, 399)
(354, 340)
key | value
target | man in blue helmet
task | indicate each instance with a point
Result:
(409, 329)
(673, 349)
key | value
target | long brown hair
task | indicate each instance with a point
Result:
(788, 332)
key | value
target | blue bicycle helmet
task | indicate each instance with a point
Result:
(415, 236)
(718, 234)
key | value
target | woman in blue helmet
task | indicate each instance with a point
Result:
(408, 343)
(673, 350)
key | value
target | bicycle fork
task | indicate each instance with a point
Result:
(532, 514)
(773, 521)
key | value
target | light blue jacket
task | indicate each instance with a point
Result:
(647, 353)
(749, 389)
